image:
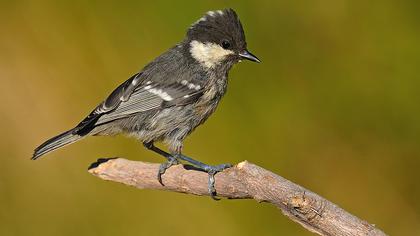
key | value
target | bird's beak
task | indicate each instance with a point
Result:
(249, 56)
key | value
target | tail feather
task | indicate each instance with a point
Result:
(56, 142)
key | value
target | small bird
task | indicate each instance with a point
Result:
(171, 95)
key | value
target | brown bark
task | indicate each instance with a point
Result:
(243, 181)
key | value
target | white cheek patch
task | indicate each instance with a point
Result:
(208, 54)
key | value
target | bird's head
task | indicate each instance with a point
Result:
(218, 38)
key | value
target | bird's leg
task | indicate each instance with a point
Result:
(211, 170)
(171, 160)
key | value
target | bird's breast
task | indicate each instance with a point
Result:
(208, 102)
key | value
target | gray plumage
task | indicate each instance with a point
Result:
(173, 94)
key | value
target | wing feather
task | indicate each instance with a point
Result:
(120, 94)
(138, 94)
(139, 101)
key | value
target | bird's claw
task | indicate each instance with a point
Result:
(212, 171)
(164, 166)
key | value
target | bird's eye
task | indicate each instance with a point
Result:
(225, 44)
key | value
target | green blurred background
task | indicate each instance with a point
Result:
(334, 107)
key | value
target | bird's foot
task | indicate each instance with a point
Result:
(212, 171)
(164, 166)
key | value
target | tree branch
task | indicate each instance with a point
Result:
(243, 181)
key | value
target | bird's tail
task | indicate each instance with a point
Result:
(56, 142)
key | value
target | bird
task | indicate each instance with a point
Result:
(171, 96)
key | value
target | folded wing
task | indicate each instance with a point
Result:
(138, 94)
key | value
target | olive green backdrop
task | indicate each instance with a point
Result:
(334, 106)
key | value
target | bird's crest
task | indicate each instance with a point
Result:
(220, 21)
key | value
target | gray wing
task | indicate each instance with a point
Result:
(120, 94)
(137, 95)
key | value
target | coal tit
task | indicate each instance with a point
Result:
(172, 95)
